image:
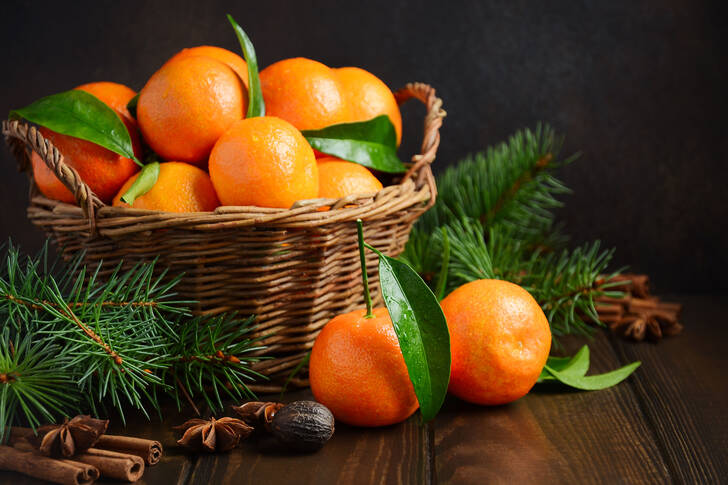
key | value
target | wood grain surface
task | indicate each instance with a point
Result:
(666, 424)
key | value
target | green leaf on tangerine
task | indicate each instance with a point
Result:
(371, 143)
(81, 115)
(143, 183)
(421, 330)
(256, 105)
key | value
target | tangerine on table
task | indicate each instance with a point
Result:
(180, 187)
(265, 162)
(187, 105)
(339, 178)
(368, 97)
(357, 370)
(102, 170)
(234, 61)
(499, 340)
(303, 92)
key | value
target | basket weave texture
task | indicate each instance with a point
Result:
(293, 268)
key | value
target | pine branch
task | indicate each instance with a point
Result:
(110, 343)
(565, 284)
(33, 380)
(212, 357)
(495, 210)
(511, 184)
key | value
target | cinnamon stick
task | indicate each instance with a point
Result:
(148, 450)
(608, 309)
(615, 301)
(637, 284)
(115, 465)
(33, 464)
(637, 305)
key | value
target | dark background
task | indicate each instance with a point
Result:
(639, 87)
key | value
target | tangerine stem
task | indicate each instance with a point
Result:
(364, 277)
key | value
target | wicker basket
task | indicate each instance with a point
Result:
(294, 268)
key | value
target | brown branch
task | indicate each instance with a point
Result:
(44, 303)
(187, 396)
(508, 194)
(5, 378)
(219, 356)
(66, 311)
(583, 290)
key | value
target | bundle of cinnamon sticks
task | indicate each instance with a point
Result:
(117, 457)
(638, 315)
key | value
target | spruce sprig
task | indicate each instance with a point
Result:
(33, 380)
(495, 210)
(212, 359)
(115, 341)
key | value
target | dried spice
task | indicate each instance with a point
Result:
(258, 414)
(70, 437)
(639, 316)
(213, 435)
(303, 426)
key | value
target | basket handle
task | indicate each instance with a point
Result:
(16, 131)
(433, 121)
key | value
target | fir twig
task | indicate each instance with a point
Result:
(73, 343)
(495, 212)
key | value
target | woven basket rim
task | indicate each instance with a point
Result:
(416, 186)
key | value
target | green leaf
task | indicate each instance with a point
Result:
(256, 105)
(143, 183)
(371, 143)
(81, 115)
(576, 365)
(421, 330)
(593, 383)
(131, 106)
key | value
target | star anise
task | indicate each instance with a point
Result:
(257, 413)
(70, 437)
(215, 435)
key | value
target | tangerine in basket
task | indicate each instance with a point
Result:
(368, 97)
(265, 162)
(357, 370)
(180, 187)
(187, 105)
(234, 61)
(102, 170)
(339, 178)
(305, 93)
(116, 96)
(499, 339)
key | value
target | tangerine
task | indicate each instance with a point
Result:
(305, 93)
(187, 105)
(499, 340)
(357, 370)
(234, 61)
(180, 187)
(263, 161)
(102, 170)
(115, 95)
(368, 97)
(339, 178)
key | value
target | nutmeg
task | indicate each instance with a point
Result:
(303, 425)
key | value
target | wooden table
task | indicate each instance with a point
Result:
(667, 423)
